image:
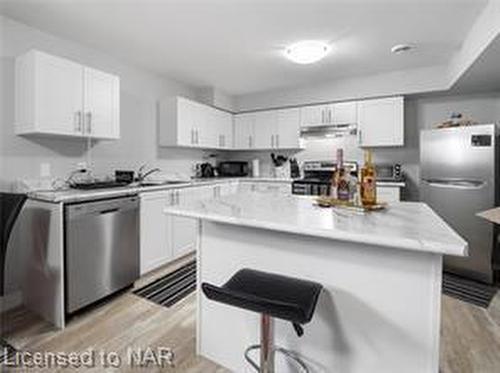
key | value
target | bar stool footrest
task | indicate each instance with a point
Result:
(287, 353)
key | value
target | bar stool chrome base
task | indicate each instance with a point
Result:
(268, 349)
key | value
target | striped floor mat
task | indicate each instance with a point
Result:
(467, 290)
(171, 288)
(6, 352)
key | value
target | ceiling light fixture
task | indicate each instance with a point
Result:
(401, 48)
(308, 51)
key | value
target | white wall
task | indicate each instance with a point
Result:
(215, 97)
(428, 79)
(20, 157)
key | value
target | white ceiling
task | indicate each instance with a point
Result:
(236, 45)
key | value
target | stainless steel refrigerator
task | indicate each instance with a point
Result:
(459, 179)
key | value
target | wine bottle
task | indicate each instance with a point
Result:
(368, 181)
(343, 184)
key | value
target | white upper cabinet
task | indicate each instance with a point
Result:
(381, 122)
(191, 124)
(224, 133)
(277, 129)
(312, 116)
(56, 96)
(265, 129)
(188, 123)
(288, 129)
(244, 131)
(101, 104)
(331, 114)
(344, 113)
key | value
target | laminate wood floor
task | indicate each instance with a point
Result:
(470, 336)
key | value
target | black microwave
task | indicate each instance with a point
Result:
(233, 169)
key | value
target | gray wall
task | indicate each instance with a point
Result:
(21, 157)
(424, 113)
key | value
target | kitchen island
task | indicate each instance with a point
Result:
(381, 272)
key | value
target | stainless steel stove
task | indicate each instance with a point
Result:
(317, 177)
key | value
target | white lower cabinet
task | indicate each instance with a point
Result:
(184, 230)
(284, 188)
(164, 237)
(155, 231)
(388, 194)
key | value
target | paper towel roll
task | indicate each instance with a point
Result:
(255, 168)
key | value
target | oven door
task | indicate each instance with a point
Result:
(301, 188)
(310, 188)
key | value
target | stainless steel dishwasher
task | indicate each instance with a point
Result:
(102, 249)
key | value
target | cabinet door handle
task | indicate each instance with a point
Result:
(272, 141)
(329, 116)
(277, 141)
(78, 121)
(89, 122)
(323, 115)
(196, 136)
(192, 136)
(177, 199)
(360, 137)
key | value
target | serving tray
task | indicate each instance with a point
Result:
(325, 201)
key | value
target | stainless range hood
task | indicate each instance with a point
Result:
(329, 131)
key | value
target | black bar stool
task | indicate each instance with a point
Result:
(273, 296)
(10, 207)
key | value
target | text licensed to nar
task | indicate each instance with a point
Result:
(148, 357)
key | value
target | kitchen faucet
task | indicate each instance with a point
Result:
(142, 174)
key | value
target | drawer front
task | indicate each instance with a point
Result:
(388, 194)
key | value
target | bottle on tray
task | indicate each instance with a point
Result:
(343, 182)
(368, 181)
(340, 183)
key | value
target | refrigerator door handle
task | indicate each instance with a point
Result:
(456, 183)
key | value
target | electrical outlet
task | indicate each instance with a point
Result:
(45, 169)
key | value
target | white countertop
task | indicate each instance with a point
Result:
(404, 225)
(77, 195)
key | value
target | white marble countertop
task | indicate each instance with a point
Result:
(77, 195)
(404, 225)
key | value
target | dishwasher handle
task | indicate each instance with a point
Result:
(109, 211)
(102, 207)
